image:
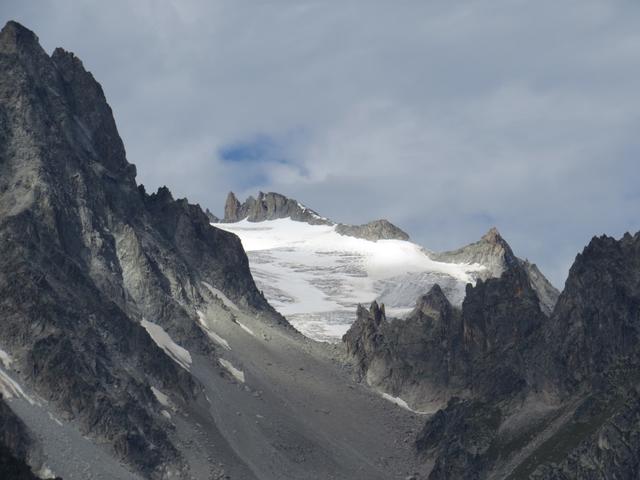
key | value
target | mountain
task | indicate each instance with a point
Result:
(96, 273)
(516, 393)
(315, 271)
(134, 342)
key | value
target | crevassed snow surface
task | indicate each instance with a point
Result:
(315, 277)
(180, 355)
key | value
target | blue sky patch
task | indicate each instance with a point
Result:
(259, 149)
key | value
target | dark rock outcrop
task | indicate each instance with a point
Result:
(415, 358)
(16, 444)
(438, 351)
(464, 435)
(87, 254)
(15, 440)
(596, 323)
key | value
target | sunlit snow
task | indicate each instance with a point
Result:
(181, 356)
(246, 329)
(9, 388)
(401, 403)
(237, 374)
(212, 335)
(315, 277)
(5, 358)
(225, 300)
(162, 398)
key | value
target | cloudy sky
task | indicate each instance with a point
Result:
(445, 117)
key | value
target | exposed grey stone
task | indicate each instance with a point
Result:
(212, 218)
(494, 252)
(269, 206)
(376, 230)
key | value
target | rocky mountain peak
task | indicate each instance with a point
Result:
(269, 206)
(596, 316)
(377, 312)
(96, 256)
(272, 206)
(493, 236)
(232, 209)
(15, 38)
(493, 251)
(433, 302)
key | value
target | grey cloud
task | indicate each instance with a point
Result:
(445, 117)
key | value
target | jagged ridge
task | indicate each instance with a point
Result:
(273, 206)
(540, 397)
(87, 255)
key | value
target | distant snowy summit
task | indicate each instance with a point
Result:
(273, 206)
(316, 271)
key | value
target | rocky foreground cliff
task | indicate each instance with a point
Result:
(88, 257)
(516, 393)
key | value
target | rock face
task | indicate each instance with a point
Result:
(491, 250)
(87, 254)
(523, 394)
(269, 206)
(272, 206)
(414, 358)
(495, 253)
(438, 351)
(376, 230)
(212, 218)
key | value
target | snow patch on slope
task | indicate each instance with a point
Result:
(212, 335)
(162, 398)
(225, 300)
(9, 388)
(246, 329)
(6, 359)
(237, 374)
(401, 403)
(45, 472)
(178, 354)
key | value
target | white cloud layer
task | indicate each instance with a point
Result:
(445, 117)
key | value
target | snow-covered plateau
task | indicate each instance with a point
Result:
(316, 277)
